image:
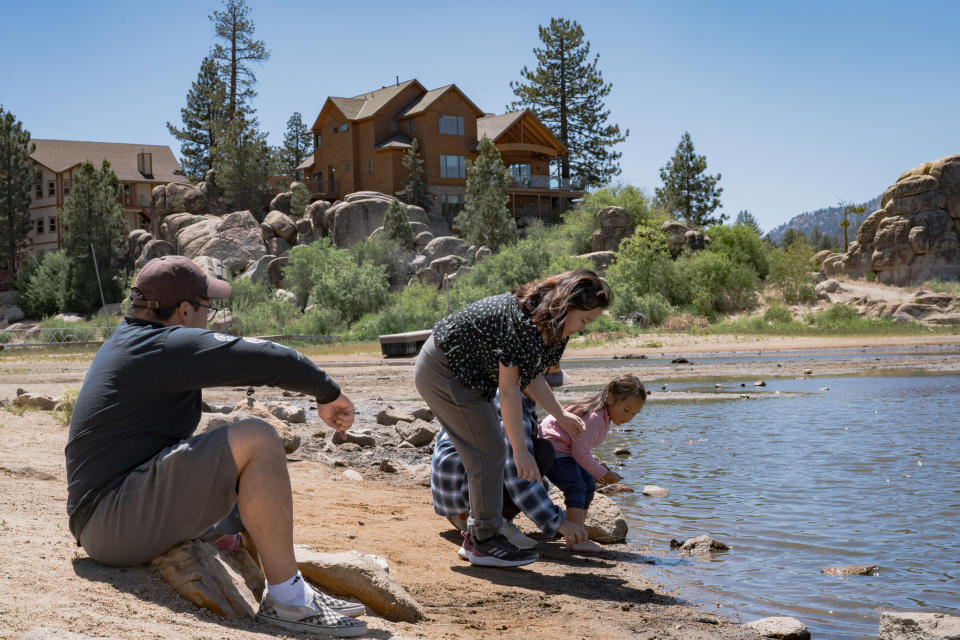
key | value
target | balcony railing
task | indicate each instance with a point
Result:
(140, 200)
(545, 182)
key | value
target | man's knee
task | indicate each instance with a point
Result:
(251, 437)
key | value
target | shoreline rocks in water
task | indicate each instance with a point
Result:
(699, 545)
(850, 570)
(780, 627)
(918, 626)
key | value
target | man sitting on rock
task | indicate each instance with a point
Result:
(139, 482)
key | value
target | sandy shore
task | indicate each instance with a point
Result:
(48, 581)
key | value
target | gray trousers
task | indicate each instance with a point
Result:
(471, 422)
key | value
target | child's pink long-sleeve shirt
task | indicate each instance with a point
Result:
(597, 425)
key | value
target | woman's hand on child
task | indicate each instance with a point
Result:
(526, 465)
(571, 423)
(573, 532)
(337, 414)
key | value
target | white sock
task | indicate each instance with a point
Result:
(294, 591)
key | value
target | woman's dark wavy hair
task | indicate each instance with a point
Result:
(546, 301)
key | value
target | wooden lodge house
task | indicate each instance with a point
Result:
(359, 144)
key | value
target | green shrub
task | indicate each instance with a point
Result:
(67, 403)
(266, 318)
(742, 244)
(422, 307)
(5, 337)
(538, 255)
(245, 294)
(718, 283)
(383, 252)
(790, 271)
(580, 222)
(333, 278)
(315, 321)
(40, 285)
(644, 267)
(655, 307)
(777, 312)
(53, 329)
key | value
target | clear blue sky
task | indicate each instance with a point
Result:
(796, 104)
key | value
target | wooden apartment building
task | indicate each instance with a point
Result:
(359, 144)
(139, 167)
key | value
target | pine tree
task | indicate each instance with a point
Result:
(243, 161)
(746, 219)
(297, 145)
(396, 225)
(687, 191)
(202, 118)
(235, 28)
(16, 185)
(566, 93)
(485, 220)
(92, 217)
(415, 190)
(299, 199)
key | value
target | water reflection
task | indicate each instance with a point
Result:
(865, 473)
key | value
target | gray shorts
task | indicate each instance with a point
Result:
(173, 497)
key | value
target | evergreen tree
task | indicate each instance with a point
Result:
(92, 217)
(243, 161)
(238, 49)
(687, 191)
(415, 189)
(746, 219)
(485, 220)
(566, 93)
(396, 225)
(299, 199)
(791, 237)
(202, 119)
(17, 175)
(297, 145)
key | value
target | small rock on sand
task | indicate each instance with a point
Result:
(350, 474)
(655, 491)
(780, 627)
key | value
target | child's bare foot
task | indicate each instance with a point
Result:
(587, 546)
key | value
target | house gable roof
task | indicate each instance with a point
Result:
(396, 141)
(422, 103)
(60, 155)
(520, 129)
(366, 105)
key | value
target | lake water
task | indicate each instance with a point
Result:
(867, 472)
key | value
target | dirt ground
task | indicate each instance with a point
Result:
(47, 581)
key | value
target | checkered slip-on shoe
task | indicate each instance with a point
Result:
(343, 607)
(314, 618)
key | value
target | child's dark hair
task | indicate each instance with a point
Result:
(617, 389)
(547, 300)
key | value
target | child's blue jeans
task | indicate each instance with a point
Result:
(577, 485)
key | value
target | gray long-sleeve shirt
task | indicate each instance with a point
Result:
(142, 394)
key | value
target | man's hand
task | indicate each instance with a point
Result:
(573, 532)
(337, 414)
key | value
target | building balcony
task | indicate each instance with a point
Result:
(545, 183)
(140, 200)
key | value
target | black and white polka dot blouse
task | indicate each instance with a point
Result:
(491, 331)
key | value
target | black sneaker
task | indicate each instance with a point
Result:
(499, 552)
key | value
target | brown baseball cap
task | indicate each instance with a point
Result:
(169, 280)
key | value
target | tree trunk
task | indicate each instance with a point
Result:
(564, 159)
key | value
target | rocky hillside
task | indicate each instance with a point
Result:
(826, 220)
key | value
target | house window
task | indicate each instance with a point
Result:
(39, 226)
(39, 190)
(452, 167)
(410, 125)
(346, 166)
(67, 184)
(341, 128)
(394, 126)
(39, 182)
(51, 188)
(318, 178)
(370, 166)
(451, 205)
(451, 125)
(317, 139)
(520, 172)
(52, 224)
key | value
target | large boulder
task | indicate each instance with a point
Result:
(282, 225)
(191, 238)
(601, 259)
(257, 272)
(918, 626)
(361, 213)
(615, 224)
(915, 236)
(213, 267)
(275, 272)
(235, 239)
(281, 202)
(176, 197)
(173, 223)
(446, 265)
(157, 249)
(316, 212)
(445, 246)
